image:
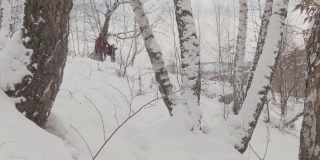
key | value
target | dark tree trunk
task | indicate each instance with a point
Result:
(105, 27)
(46, 25)
(110, 10)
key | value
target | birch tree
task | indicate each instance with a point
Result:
(257, 93)
(239, 56)
(155, 55)
(0, 13)
(190, 60)
(261, 41)
(46, 29)
(5, 22)
(310, 132)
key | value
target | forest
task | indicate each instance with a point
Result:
(160, 79)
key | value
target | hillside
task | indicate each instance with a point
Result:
(93, 102)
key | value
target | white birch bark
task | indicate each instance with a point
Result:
(257, 93)
(5, 22)
(239, 57)
(190, 60)
(155, 55)
(0, 13)
(261, 41)
(310, 132)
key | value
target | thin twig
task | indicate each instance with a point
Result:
(157, 118)
(125, 98)
(268, 138)
(115, 114)
(104, 130)
(83, 140)
(10, 142)
(294, 119)
(267, 146)
(110, 100)
(122, 125)
(255, 152)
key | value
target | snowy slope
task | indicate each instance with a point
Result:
(149, 135)
(19, 137)
(22, 139)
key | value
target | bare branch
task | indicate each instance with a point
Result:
(104, 130)
(83, 140)
(123, 124)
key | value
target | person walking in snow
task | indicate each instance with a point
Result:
(102, 47)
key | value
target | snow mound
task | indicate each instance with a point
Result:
(14, 58)
(22, 139)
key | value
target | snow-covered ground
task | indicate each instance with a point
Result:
(22, 139)
(93, 102)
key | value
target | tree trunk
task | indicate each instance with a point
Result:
(108, 15)
(105, 27)
(190, 60)
(135, 42)
(257, 94)
(46, 27)
(310, 132)
(239, 57)
(155, 55)
(1, 14)
(261, 41)
(5, 21)
(281, 88)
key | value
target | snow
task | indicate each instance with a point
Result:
(261, 74)
(150, 135)
(190, 60)
(91, 89)
(22, 139)
(14, 58)
(5, 23)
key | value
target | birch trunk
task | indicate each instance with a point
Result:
(5, 21)
(239, 57)
(310, 132)
(261, 41)
(1, 14)
(155, 55)
(257, 93)
(46, 24)
(190, 60)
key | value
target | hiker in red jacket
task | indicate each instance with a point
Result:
(102, 47)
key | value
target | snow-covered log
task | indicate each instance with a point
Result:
(239, 56)
(155, 55)
(190, 60)
(252, 106)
